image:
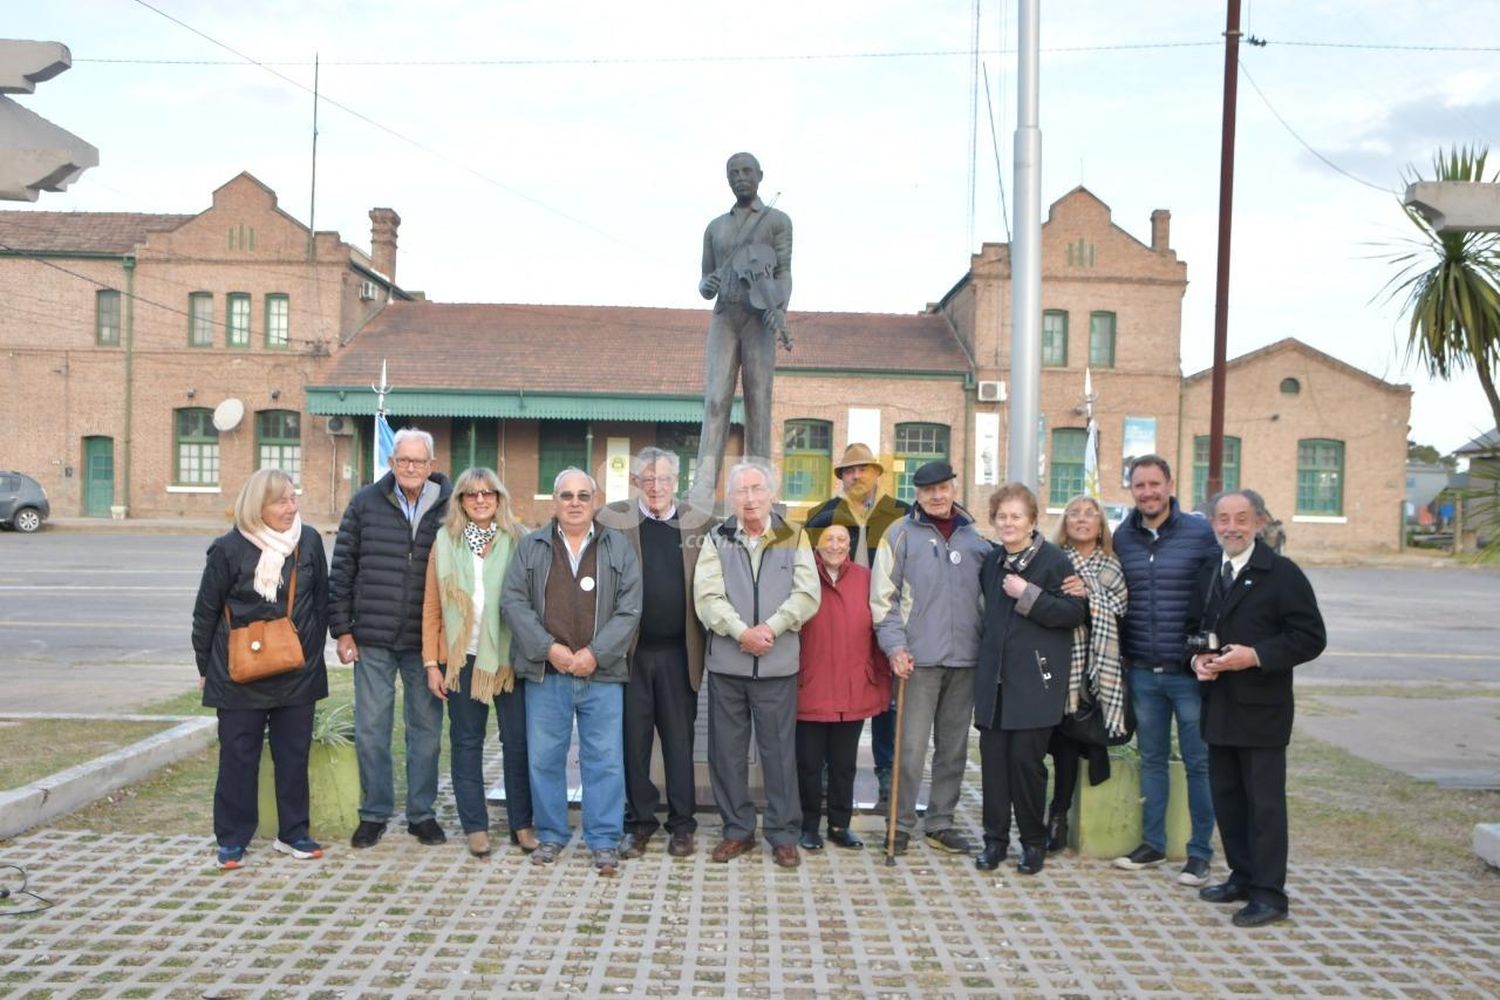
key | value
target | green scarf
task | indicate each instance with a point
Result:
(455, 573)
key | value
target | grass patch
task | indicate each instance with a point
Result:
(31, 749)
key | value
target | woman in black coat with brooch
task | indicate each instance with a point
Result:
(1021, 687)
(247, 578)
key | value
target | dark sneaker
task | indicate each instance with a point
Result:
(901, 843)
(951, 841)
(1194, 873)
(606, 861)
(305, 849)
(231, 858)
(427, 832)
(367, 834)
(1141, 857)
(546, 853)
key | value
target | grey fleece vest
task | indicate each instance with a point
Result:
(756, 596)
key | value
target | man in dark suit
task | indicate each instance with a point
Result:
(1264, 621)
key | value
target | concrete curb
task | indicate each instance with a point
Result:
(1487, 842)
(61, 793)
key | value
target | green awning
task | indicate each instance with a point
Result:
(352, 402)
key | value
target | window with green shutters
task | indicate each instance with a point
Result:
(1102, 340)
(807, 461)
(476, 444)
(916, 445)
(195, 447)
(1068, 444)
(1054, 339)
(278, 442)
(1320, 477)
(200, 319)
(278, 321)
(237, 320)
(107, 317)
(1230, 469)
(560, 443)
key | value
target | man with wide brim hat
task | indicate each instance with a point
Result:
(866, 513)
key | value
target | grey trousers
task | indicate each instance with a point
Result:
(939, 706)
(771, 703)
(738, 346)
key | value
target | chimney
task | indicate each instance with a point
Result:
(1161, 227)
(383, 225)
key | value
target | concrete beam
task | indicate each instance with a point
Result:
(35, 155)
(1456, 206)
(23, 65)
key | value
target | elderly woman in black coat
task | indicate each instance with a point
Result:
(1021, 687)
(248, 577)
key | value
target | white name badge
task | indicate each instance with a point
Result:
(587, 584)
(955, 558)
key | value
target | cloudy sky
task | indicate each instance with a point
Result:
(572, 153)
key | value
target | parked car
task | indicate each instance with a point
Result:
(23, 502)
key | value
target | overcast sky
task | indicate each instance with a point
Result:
(572, 153)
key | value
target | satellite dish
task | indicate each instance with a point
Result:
(228, 414)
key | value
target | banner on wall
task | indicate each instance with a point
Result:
(1137, 439)
(986, 449)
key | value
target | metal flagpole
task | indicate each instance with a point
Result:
(1026, 258)
(1091, 444)
(380, 393)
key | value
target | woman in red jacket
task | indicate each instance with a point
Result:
(844, 680)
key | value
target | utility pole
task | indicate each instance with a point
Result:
(1221, 286)
(1026, 256)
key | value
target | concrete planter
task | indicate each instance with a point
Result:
(333, 791)
(1105, 821)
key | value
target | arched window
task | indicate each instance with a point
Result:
(1290, 386)
(807, 461)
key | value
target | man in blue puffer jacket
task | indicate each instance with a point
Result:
(1162, 548)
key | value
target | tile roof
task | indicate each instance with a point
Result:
(614, 349)
(82, 232)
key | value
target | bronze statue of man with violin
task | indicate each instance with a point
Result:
(747, 266)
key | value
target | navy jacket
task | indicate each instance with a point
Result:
(1161, 573)
(379, 572)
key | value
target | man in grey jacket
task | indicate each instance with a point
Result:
(924, 596)
(755, 586)
(572, 599)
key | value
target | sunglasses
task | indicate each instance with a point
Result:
(582, 496)
(481, 495)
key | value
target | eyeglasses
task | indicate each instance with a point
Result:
(582, 496)
(649, 481)
(411, 463)
(481, 495)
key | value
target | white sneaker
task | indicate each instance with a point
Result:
(305, 849)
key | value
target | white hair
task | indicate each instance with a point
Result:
(572, 470)
(739, 469)
(650, 456)
(413, 434)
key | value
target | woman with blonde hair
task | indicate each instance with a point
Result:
(1095, 675)
(268, 556)
(466, 649)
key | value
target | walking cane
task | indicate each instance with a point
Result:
(890, 821)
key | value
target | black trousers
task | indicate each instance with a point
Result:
(1066, 754)
(1248, 785)
(659, 700)
(242, 732)
(837, 745)
(1013, 778)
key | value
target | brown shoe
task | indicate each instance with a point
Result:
(525, 839)
(633, 845)
(786, 856)
(680, 844)
(479, 844)
(728, 850)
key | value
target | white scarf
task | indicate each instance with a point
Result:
(274, 547)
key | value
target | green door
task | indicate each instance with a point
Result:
(98, 476)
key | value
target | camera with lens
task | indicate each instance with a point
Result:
(1202, 642)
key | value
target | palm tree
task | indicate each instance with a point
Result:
(1450, 286)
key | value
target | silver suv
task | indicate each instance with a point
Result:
(23, 502)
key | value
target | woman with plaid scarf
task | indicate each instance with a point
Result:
(1083, 533)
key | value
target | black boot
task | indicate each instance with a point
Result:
(1057, 831)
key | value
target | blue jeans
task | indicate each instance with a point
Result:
(467, 721)
(552, 704)
(1156, 699)
(374, 718)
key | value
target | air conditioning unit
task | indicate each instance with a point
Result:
(341, 426)
(992, 392)
(367, 290)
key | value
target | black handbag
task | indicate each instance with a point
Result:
(1086, 725)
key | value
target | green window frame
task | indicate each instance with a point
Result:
(1230, 469)
(475, 443)
(237, 320)
(559, 444)
(195, 447)
(917, 444)
(1320, 477)
(200, 319)
(278, 442)
(1054, 338)
(278, 320)
(107, 317)
(682, 441)
(1068, 447)
(1101, 339)
(806, 460)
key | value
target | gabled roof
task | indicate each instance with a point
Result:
(1293, 344)
(1487, 443)
(614, 349)
(82, 232)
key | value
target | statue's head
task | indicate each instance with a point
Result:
(743, 171)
